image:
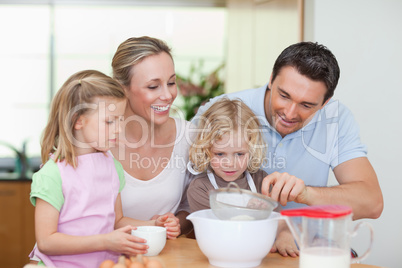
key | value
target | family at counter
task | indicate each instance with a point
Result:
(113, 157)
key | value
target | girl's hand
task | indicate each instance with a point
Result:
(122, 242)
(170, 222)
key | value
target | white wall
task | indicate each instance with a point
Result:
(366, 38)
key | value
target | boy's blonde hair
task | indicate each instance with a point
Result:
(133, 51)
(69, 103)
(225, 116)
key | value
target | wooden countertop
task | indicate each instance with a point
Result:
(184, 252)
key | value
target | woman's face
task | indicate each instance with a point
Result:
(152, 88)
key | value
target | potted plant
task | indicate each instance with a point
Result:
(198, 88)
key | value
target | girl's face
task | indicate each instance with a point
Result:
(230, 156)
(97, 129)
(153, 88)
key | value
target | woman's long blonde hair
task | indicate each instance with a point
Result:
(69, 103)
(225, 116)
(133, 51)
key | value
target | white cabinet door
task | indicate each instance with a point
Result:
(257, 32)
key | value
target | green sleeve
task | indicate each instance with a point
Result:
(120, 172)
(46, 185)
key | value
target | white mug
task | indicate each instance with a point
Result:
(155, 237)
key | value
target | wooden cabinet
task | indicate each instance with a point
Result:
(17, 234)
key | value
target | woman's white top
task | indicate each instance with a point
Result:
(167, 192)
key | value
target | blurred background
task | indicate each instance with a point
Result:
(44, 42)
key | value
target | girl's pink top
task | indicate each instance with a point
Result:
(90, 193)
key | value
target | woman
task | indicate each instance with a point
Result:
(153, 149)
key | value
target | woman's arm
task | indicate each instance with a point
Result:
(167, 220)
(122, 221)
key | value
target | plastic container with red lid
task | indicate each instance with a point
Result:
(324, 211)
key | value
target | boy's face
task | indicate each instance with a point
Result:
(230, 156)
(293, 100)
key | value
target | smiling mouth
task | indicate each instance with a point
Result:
(160, 108)
(287, 122)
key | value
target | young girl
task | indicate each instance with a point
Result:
(76, 193)
(229, 147)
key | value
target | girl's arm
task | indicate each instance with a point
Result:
(52, 242)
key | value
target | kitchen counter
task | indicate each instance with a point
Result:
(184, 252)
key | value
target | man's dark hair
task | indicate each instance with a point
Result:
(312, 60)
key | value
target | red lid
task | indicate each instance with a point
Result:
(327, 211)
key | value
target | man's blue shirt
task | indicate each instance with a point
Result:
(329, 139)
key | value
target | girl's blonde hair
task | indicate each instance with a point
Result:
(225, 116)
(69, 103)
(133, 51)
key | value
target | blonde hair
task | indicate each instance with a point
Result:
(221, 118)
(133, 51)
(68, 105)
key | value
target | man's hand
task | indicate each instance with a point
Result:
(284, 188)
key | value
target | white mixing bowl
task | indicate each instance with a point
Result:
(234, 243)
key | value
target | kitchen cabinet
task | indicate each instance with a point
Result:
(258, 31)
(17, 234)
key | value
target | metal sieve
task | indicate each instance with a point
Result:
(233, 203)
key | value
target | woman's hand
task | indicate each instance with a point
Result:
(170, 222)
(121, 241)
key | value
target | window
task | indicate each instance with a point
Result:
(43, 45)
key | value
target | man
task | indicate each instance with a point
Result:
(307, 133)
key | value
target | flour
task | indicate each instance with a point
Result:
(242, 218)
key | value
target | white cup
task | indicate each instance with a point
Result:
(155, 236)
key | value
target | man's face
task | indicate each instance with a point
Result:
(293, 100)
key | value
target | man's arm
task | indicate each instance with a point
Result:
(358, 188)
